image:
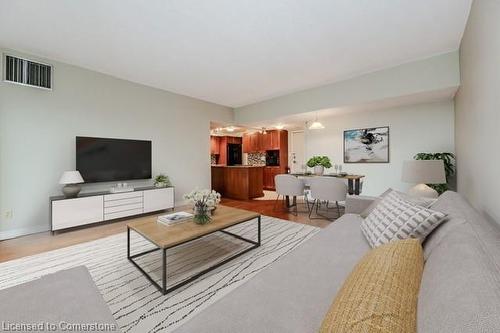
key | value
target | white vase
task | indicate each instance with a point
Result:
(318, 170)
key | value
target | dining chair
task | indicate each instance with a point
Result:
(326, 189)
(288, 186)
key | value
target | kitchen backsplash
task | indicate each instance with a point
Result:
(253, 159)
(256, 158)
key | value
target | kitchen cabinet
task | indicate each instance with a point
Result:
(234, 139)
(253, 143)
(277, 140)
(238, 182)
(258, 142)
(246, 146)
(269, 173)
(219, 146)
(266, 141)
(274, 140)
(275, 136)
(214, 145)
(271, 140)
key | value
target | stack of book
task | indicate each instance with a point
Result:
(174, 218)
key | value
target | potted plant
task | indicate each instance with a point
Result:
(449, 167)
(204, 203)
(162, 181)
(319, 163)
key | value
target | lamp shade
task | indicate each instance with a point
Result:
(424, 172)
(71, 177)
(316, 125)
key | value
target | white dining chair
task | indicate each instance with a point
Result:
(288, 186)
(326, 189)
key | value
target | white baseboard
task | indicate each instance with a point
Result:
(8, 234)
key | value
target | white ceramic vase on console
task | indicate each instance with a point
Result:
(319, 170)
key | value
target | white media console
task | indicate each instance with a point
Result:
(96, 207)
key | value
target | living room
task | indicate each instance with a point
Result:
(94, 153)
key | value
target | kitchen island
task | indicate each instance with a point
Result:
(242, 182)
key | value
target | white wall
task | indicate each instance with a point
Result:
(38, 129)
(477, 106)
(413, 129)
(432, 75)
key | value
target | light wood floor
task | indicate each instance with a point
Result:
(45, 241)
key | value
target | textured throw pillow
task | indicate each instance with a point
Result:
(396, 218)
(424, 202)
(374, 204)
(380, 294)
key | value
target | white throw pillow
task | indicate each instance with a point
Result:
(396, 218)
(419, 201)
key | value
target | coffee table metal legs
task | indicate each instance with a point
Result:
(163, 287)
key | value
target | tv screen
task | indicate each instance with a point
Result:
(103, 160)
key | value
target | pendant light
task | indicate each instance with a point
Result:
(316, 124)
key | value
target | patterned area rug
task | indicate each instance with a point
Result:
(136, 304)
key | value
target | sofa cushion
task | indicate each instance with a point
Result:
(396, 218)
(460, 289)
(68, 296)
(356, 204)
(380, 294)
(294, 293)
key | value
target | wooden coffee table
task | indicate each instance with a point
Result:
(165, 238)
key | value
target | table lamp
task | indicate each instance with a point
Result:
(70, 180)
(422, 172)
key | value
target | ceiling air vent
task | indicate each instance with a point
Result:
(27, 72)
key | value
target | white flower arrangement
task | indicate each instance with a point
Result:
(200, 198)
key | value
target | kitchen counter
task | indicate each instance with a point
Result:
(241, 182)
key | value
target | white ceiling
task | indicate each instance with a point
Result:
(233, 52)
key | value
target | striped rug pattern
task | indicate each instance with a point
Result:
(137, 305)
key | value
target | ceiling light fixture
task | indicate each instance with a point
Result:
(280, 126)
(316, 124)
(230, 129)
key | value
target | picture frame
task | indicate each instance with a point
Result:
(367, 145)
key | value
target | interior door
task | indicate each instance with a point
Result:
(297, 152)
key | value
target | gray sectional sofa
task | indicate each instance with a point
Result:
(66, 301)
(460, 289)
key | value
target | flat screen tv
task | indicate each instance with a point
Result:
(105, 160)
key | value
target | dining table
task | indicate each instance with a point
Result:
(353, 181)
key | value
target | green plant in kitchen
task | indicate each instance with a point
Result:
(319, 163)
(449, 167)
(204, 202)
(162, 181)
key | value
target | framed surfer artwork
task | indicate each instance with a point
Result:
(366, 145)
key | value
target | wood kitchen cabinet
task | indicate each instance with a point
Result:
(253, 143)
(271, 140)
(234, 139)
(215, 145)
(276, 139)
(256, 142)
(238, 182)
(218, 146)
(266, 141)
(269, 173)
(246, 146)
